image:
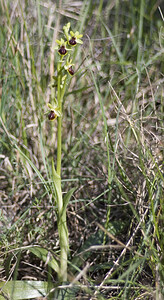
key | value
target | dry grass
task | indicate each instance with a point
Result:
(112, 146)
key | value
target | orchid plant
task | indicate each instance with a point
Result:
(64, 69)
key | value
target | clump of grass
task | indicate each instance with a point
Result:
(112, 149)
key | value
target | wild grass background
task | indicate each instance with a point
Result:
(112, 145)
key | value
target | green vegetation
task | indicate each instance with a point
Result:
(81, 154)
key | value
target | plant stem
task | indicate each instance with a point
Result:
(62, 225)
(58, 168)
(63, 237)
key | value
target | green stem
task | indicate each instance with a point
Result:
(58, 168)
(64, 245)
(62, 225)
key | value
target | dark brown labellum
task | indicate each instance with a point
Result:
(71, 71)
(72, 41)
(62, 50)
(51, 115)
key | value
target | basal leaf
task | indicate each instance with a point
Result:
(45, 256)
(22, 289)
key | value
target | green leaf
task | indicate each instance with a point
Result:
(57, 186)
(67, 198)
(22, 289)
(45, 256)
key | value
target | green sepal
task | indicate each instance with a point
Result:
(50, 106)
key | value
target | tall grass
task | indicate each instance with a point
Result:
(112, 151)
